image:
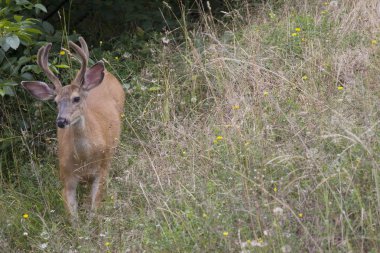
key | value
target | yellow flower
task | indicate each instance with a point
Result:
(219, 138)
(107, 244)
(265, 93)
(325, 3)
(275, 189)
(62, 52)
(25, 216)
(374, 42)
(260, 240)
(204, 215)
(300, 215)
(294, 34)
(340, 87)
(324, 12)
(116, 58)
(305, 77)
(236, 107)
(303, 39)
(297, 29)
(225, 233)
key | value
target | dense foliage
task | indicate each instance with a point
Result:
(253, 127)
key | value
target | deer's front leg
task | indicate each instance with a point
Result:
(98, 185)
(69, 195)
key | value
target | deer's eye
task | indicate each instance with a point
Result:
(76, 99)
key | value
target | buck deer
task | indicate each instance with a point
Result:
(88, 121)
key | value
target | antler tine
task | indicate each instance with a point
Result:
(80, 76)
(42, 61)
(84, 47)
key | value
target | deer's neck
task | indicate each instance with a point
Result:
(82, 141)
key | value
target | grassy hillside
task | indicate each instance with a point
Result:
(257, 132)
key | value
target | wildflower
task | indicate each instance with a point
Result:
(325, 3)
(272, 15)
(268, 232)
(278, 211)
(225, 233)
(275, 189)
(303, 39)
(219, 138)
(255, 243)
(25, 234)
(294, 34)
(300, 215)
(25, 216)
(265, 93)
(204, 215)
(44, 245)
(107, 244)
(116, 58)
(236, 107)
(305, 77)
(333, 4)
(62, 52)
(165, 41)
(297, 29)
(374, 42)
(100, 43)
(340, 87)
(286, 249)
(324, 12)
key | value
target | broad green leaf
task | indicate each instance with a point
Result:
(62, 66)
(40, 7)
(33, 30)
(48, 28)
(27, 76)
(18, 18)
(34, 68)
(13, 41)
(8, 90)
(4, 45)
(22, 2)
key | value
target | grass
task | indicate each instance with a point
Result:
(242, 138)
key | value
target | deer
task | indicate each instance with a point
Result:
(88, 123)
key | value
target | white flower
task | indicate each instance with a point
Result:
(44, 245)
(286, 249)
(278, 211)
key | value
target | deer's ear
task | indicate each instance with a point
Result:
(39, 90)
(94, 76)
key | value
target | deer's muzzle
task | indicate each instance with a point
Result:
(62, 122)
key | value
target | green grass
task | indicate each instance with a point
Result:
(227, 146)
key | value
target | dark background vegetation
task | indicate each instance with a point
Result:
(117, 29)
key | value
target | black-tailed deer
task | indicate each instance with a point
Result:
(89, 123)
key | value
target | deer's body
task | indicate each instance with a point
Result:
(89, 124)
(85, 149)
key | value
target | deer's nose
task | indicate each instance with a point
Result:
(62, 122)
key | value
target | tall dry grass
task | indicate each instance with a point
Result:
(263, 136)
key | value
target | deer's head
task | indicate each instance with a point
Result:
(71, 98)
